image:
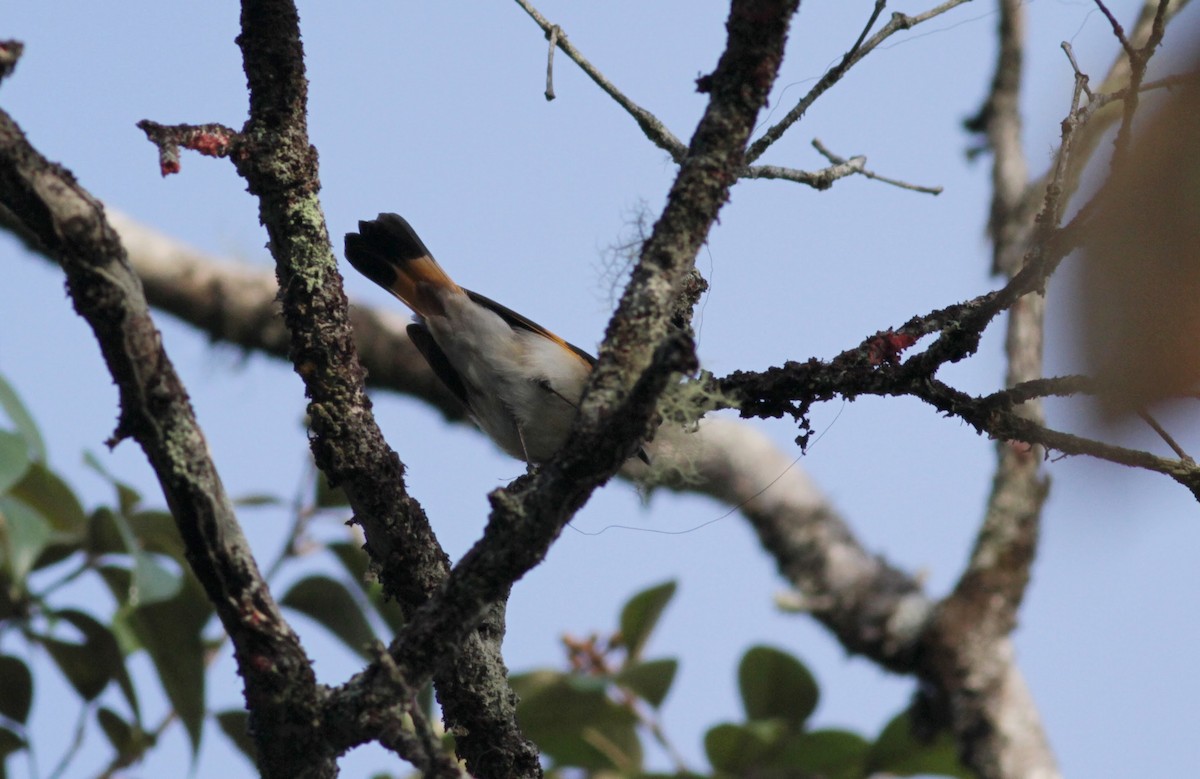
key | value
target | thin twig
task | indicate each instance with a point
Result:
(1139, 59)
(838, 160)
(1096, 122)
(852, 57)
(1080, 76)
(1162, 432)
(553, 36)
(654, 129)
(10, 52)
(820, 179)
(1118, 30)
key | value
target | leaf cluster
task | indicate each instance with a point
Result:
(597, 715)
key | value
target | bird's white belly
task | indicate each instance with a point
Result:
(522, 387)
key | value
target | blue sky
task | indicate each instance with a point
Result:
(436, 111)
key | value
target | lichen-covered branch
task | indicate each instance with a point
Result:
(967, 660)
(273, 154)
(70, 225)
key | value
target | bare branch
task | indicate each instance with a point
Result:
(236, 303)
(1106, 110)
(273, 154)
(1000, 120)
(10, 52)
(851, 58)
(1139, 59)
(69, 223)
(553, 36)
(837, 160)
(1080, 76)
(1165, 436)
(1118, 30)
(211, 140)
(654, 129)
(821, 179)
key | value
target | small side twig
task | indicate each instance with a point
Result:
(654, 129)
(1080, 77)
(10, 52)
(820, 179)
(838, 160)
(1165, 436)
(1118, 30)
(211, 140)
(553, 37)
(1139, 59)
(852, 57)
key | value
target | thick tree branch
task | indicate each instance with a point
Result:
(273, 154)
(1000, 121)
(967, 657)
(70, 225)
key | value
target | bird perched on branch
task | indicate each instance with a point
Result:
(520, 382)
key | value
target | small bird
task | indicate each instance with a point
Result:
(520, 382)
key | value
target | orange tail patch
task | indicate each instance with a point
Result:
(388, 252)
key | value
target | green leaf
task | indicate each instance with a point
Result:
(640, 615)
(42, 489)
(741, 749)
(127, 497)
(156, 531)
(577, 725)
(16, 689)
(650, 680)
(103, 536)
(152, 582)
(126, 684)
(235, 724)
(832, 754)
(170, 631)
(88, 666)
(354, 559)
(143, 537)
(258, 499)
(328, 602)
(356, 562)
(776, 685)
(24, 533)
(14, 459)
(129, 741)
(23, 420)
(897, 751)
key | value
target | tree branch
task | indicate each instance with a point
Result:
(1100, 115)
(856, 53)
(838, 160)
(70, 225)
(273, 154)
(654, 129)
(967, 658)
